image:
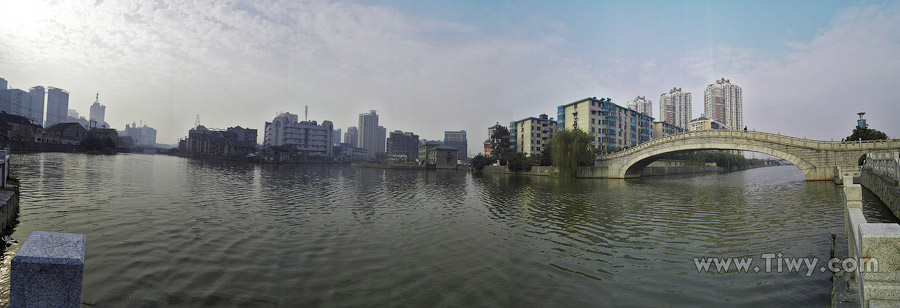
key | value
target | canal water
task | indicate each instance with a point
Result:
(169, 231)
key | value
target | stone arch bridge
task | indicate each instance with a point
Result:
(819, 160)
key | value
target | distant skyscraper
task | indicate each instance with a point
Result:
(457, 139)
(381, 140)
(675, 107)
(57, 106)
(370, 135)
(336, 137)
(3, 84)
(723, 102)
(642, 105)
(98, 113)
(38, 95)
(15, 101)
(352, 136)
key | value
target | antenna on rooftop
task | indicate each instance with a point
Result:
(197, 121)
(306, 113)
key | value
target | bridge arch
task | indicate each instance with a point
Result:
(635, 164)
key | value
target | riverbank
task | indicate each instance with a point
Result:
(9, 208)
(365, 164)
(657, 168)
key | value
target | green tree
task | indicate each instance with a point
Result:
(479, 161)
(865, 133)
(500, 144)
(547, 156)
(518, 162)
(571, 149)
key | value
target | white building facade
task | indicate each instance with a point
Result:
(308, 137)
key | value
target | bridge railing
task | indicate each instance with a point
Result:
(887, 164)
(760, 136)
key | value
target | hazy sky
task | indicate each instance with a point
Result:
(806, 68)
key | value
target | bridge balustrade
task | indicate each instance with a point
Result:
(761, 136)
(887, 164)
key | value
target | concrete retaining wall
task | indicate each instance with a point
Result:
(660, 168)
(884, 187)
(9, 208)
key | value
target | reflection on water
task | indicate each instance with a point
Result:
(168, 231)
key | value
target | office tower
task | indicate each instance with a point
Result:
(98, 113)
(369, 134)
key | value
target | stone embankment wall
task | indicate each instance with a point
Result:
(884, 187)
(662, 167)
(9, 208)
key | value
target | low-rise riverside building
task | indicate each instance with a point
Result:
(348, 152)
(704, 123)
(437, 155)
(215, 142)
(65, 133)
(457, 139)
(662, 129)
(531, 135)
(611, 126)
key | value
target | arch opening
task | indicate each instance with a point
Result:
(634, 166)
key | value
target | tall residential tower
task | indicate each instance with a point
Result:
(675, 107)
(723, 102)
(642, 105)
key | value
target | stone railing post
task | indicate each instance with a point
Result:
(48, 271)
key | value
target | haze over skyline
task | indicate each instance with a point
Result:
(806, 68)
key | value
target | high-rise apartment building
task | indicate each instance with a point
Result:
(723, 102)
(3, 84)
(38, 96)
(531, 135)
(675, 107)
(308, 137)
(351, 137)
(457, 139)
(611, 126)
(57, 106)
(371, 136)
(642, 105)
(98, 114)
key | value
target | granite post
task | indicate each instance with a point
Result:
(48, 270)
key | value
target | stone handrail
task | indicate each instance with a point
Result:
(759, 136)
(887, 164)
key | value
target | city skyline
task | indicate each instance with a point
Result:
(458, 66)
